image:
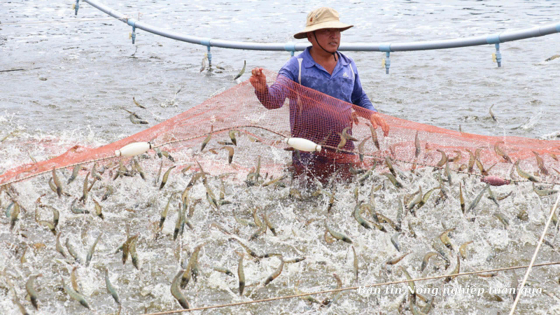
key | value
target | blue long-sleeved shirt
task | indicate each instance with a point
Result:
(343, 84)
(314, 116)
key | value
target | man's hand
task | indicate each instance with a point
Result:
(258, 80)
(378, 121)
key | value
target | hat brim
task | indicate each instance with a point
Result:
(331, 24)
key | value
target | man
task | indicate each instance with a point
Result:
(320, 119)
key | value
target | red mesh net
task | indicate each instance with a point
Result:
(306, 113)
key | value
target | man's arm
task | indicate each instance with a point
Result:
(272, 97)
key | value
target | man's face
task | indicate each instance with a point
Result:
(328, 38)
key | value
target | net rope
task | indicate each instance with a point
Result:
(531, 265)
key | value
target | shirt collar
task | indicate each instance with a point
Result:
(341, 59)
(308, 61)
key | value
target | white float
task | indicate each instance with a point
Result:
(134, 149)
(303, 144)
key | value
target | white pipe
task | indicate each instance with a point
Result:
(291, 46)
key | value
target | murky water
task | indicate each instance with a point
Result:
(78, 75)
(91, 69)
(300, 220)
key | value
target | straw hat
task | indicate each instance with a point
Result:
(320, 19)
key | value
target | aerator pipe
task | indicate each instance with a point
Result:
(290, 46)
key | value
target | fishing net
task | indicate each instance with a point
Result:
(306, 113)
(393, 227)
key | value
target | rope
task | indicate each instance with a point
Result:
(534, 255)
(349, 289)
(273, 132)
(345, 151)
(69, 165)
(219, 131)
(156, 146)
